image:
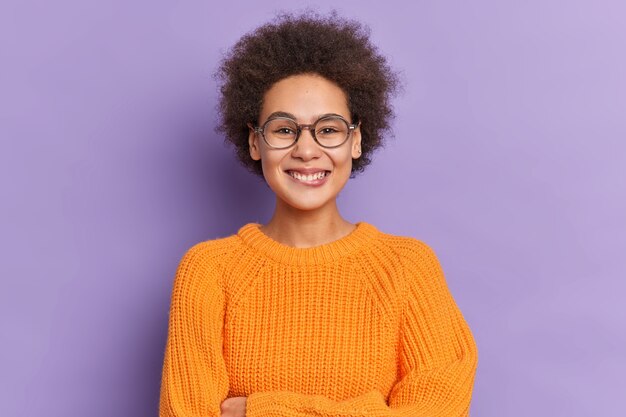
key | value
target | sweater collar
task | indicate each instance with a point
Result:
(357, 239)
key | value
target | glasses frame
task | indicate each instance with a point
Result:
(301, 127)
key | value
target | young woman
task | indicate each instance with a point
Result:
(310, 315)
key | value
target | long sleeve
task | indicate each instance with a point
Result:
(437, 359)
(194, 378)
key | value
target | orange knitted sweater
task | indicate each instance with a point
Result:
(361, 326)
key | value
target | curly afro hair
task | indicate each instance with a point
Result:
(333, 47)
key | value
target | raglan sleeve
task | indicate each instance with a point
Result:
(437, 361)
(194, 380)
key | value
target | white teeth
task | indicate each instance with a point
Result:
(310, 177)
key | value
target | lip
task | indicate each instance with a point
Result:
(314, 183)
(307, 171)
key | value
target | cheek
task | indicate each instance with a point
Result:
(271, 164)
(343, 160)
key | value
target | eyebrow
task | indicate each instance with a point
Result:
(291, 116)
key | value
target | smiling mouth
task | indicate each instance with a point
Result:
(312, 178)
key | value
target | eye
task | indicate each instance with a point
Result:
(284, 131)
(328, 130)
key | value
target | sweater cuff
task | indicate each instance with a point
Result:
(260, 404)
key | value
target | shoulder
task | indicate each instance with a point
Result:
(408, 249)
(211, 250)
(205, 259)
(417, 259)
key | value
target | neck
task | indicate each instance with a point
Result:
(306, 228)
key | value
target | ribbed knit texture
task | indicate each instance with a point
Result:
(362, 326)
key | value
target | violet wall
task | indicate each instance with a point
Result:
(509, 159)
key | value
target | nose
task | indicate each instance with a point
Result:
(306, 147)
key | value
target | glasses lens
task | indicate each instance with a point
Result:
(280, 132)
(331, 131)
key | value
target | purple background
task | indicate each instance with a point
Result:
(508, 159)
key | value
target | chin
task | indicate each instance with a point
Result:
(301, 197)
(304, 204)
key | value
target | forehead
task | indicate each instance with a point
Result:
(306, 96)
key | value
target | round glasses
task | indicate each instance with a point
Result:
(283, 132)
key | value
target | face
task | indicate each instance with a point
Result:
(306, 97)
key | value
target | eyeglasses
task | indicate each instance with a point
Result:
(283, 132)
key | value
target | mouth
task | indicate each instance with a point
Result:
(316, 179)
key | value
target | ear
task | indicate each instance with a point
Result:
(356, 142)
(253, 143)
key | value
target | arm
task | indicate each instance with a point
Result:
(437, 360)
(194, 379)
